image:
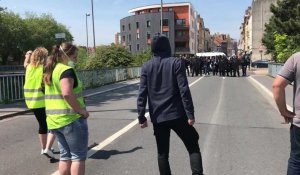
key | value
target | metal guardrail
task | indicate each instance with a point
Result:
(274, 68)
(11, 68)
(11, 86)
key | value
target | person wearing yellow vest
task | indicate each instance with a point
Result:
(65, 109)
(34, 95)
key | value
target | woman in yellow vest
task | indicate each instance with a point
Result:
(65, 109)
(34, 95)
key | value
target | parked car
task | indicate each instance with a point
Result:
(260, 64)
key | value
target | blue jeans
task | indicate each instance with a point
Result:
(73, 140)
(294, 160)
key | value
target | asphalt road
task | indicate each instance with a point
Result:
(240, 133)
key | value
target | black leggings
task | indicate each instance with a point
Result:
(187, 134)
(40, 115)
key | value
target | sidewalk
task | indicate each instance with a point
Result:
(19, 108)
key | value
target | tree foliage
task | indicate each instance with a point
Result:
(42, 29)
(284, 47)
(141, 58)
(283, 29)
(109, 57)
(13, 35)
(19, 35)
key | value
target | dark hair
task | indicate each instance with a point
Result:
(59, 54)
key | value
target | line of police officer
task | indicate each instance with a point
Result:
(218, 65)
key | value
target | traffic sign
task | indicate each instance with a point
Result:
(60, 35)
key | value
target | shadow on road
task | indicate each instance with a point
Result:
(106, 154)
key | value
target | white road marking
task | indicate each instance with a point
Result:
(207, 148)
(117, 134)
(267, 91)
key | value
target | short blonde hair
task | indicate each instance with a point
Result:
(39, 56)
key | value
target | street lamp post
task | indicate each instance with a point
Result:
(93, 25)
(87, 34)
(161, 16)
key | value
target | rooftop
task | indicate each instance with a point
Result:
(158, 6)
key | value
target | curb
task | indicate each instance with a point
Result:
(13, 114)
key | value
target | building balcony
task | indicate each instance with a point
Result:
(181, 38)
(181, 27)
(182, 50)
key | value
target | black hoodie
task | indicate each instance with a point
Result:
(164, 83)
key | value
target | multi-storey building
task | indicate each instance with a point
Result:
(179, 24)
(253, 27)
(117, 38)
(207, 40)
(201, 34)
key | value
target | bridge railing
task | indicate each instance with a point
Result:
(274, 68)
(11, 68)
(11, 85)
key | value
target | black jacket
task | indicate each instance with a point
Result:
(164, 83)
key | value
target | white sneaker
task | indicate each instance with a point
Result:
(42, 151)
(48, 153)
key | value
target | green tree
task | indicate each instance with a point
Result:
(13, 36)
(284, 22)
(142, 57)
(19, 35)
(42, 29)
(110, 57)
(81, 58)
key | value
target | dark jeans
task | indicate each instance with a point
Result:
(187, 134)
(294, 160)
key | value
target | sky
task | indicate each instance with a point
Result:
(220, 16)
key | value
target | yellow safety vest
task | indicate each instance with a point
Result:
(59, 112)
(34, 97)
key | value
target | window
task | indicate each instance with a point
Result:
(123, 28)
(148, 24)
(137, 25)
(123, 38)
(180, 22)
(129, 37)
(138, 47)
(129, 27)
(180, 33)
(165, 22)
(170, 9)
(148, 35)
(129, 47)
(137, 36)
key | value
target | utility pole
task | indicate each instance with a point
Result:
(93, 25)
(161, 16)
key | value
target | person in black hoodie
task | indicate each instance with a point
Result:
(164, 83)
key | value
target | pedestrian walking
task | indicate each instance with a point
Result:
(244, 65)
(65, 109)
(164, 83)
(289, 73)
(34, 95)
